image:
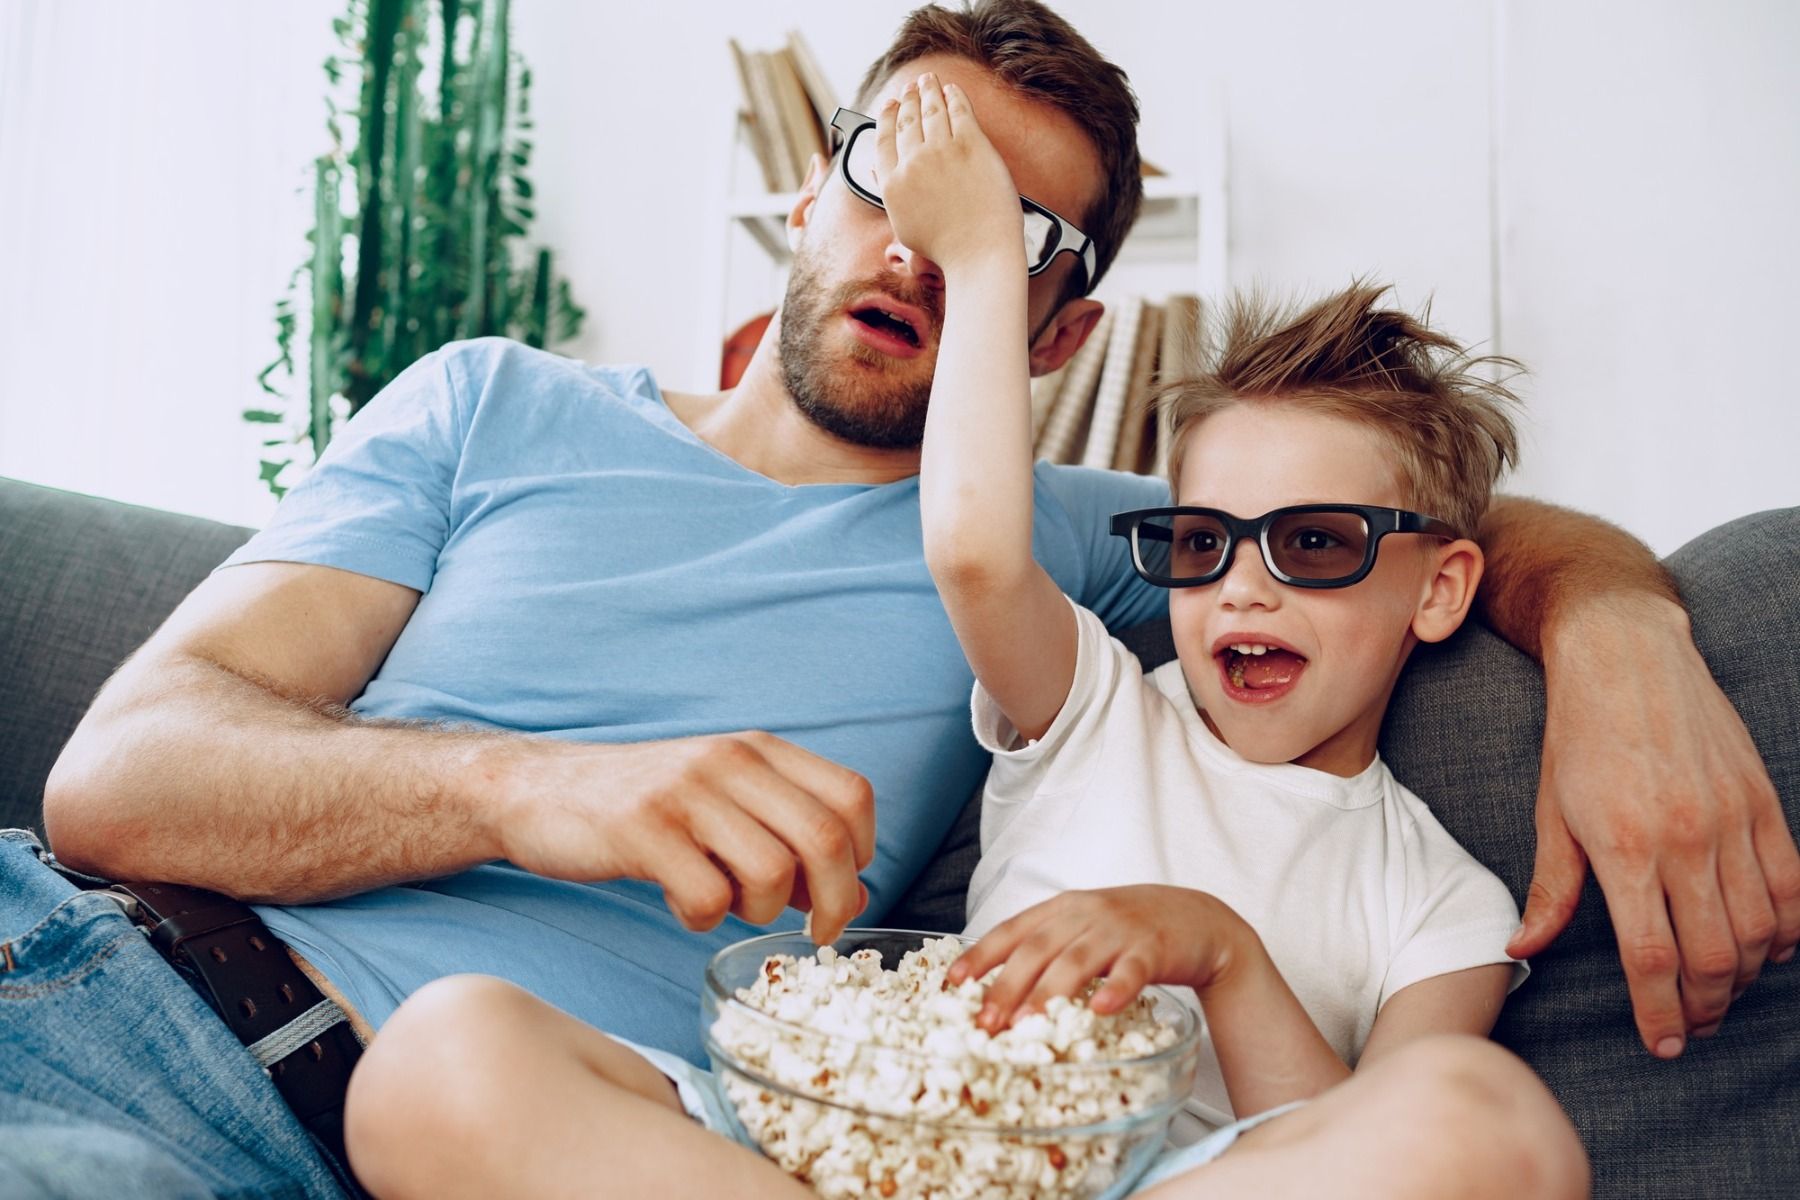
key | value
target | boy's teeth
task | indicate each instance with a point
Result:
(1250, 648)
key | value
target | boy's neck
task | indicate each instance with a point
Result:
(1347, 753)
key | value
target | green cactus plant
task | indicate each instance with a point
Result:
(419, 209)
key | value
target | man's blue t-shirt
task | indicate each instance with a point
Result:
(591, 570)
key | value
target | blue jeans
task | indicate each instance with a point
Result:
(116, 1079)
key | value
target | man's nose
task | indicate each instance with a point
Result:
(903, 257)
(1247, 583)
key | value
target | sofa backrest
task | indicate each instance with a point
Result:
(83, 582)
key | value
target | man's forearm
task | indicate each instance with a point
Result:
(1545, 563)
(186, 772)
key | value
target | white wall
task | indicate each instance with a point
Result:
(1650, 221)
(151, 161)
(1602, 189)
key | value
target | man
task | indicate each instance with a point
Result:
(596, 590)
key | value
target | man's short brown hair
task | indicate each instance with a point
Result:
(1038, 55)
(1450, 426)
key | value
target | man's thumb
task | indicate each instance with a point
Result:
(1556, 879)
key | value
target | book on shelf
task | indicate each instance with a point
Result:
(1137, 434)
(812, 75)
(788, 102)
(1065, 429)
(1181, 355)
(806, 133)
(1043, 397)
(1115, 382)
(1102, 410)
(771, 111)
(754, 122)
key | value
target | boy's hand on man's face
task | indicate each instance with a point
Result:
(948, 193)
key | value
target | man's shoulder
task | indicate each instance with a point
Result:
(1085, 491)
(476, 365)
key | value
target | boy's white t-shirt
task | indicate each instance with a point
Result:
(1352, 885)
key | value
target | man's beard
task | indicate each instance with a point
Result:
(883, 408)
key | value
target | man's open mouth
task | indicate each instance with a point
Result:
(889, 323)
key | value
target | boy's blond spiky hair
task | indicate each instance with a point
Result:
(1451, 427)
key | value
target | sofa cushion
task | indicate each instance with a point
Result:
(86, 582)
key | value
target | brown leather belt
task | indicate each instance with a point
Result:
(223, 949)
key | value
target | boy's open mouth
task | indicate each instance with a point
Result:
(1256, 670)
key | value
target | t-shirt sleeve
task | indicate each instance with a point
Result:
(1077, 547)
(378, 501)
(1457, 913)
(1063, 758)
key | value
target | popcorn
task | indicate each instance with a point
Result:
(889, 1088)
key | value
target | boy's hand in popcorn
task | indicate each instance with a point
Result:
(1269, 1050)
(1134, 936)
(947, 192)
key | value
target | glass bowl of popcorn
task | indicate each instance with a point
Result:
(859, 1070)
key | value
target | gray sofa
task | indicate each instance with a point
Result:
(84, 581)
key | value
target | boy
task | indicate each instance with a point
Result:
(1338, 920)
(571, 1103)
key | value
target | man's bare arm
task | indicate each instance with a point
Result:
(1545, 564)
(221, 755)
(1648, 773)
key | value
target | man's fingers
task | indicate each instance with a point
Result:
(694, 887)
(761, 866)
(1747, 905)
(1556, 878)
(819, 839)
(1780, 861)
(1709, 951)
(837, 787)
(1648, 954)
(934, 121)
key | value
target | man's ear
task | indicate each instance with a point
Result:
(1449, 590)
(1065, 333)
(801, 212)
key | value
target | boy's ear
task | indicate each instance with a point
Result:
(1063, 336)
(1449, 590)
(801, 212)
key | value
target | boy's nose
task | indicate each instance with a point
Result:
(1247, 582)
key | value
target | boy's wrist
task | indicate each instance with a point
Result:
(1232, 948)
(991, 264)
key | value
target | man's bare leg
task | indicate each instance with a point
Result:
(1446, 1117)
(477, 1088)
